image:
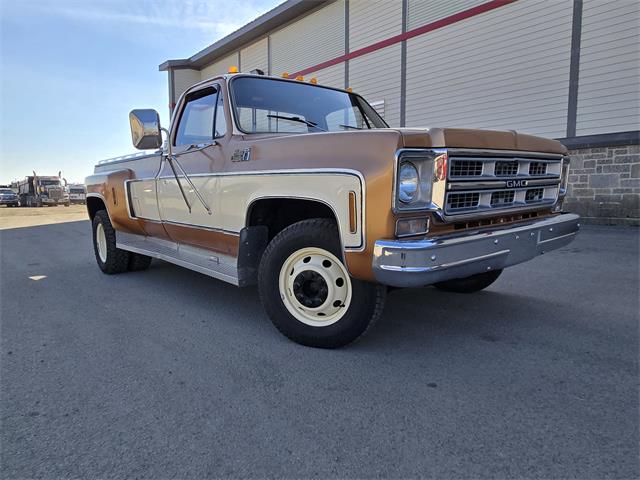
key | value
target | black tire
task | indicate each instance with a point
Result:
(471, 284)
(138, 262)
(117, 260)
(367, 299)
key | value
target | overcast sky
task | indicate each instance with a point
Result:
(72, 71)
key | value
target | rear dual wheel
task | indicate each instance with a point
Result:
(307, 292)
(109, 257)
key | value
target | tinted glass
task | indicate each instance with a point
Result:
(264, 105)
(196, 121)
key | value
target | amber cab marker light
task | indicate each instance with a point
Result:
(285, 75)
(313, 80)
(349, 89)
(233, 69)
(300, 78)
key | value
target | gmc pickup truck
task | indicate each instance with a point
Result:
(306, 191)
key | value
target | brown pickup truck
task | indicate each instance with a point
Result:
(306, 191)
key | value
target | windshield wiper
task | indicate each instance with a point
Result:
(350, 126)
(299, 120)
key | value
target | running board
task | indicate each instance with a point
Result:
(216, 265)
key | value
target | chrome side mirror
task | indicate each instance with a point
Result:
(145, 129)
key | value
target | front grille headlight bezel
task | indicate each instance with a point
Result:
(564, 176)
(423, 162)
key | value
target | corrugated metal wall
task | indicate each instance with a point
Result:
(255, 55)
(220, 67)
(310, 40)
(183, 79)
(506, 69)
(331, 76)
(421, 12)
(376, 76)
(609, 85)
(371, 21)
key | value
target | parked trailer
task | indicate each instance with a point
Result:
(77, 193)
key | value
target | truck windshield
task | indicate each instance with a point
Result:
(48, 182)
(266, 105)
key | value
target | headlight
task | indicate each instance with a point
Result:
(407, 182)
(414, 179)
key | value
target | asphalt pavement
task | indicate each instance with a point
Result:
(170, 374)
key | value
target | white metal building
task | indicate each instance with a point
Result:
(565, 69)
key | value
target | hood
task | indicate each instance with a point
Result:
(475, 138)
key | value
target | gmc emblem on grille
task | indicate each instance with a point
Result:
(516, 183)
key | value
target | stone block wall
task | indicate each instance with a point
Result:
(604, 185)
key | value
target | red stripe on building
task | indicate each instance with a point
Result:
(443, 22)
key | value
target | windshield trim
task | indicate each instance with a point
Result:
(232, 106)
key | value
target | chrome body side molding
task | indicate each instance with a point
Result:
(214, 264)
(413, 263)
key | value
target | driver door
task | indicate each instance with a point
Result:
(198, 139)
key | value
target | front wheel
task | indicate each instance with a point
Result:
(307, 292)
(471, 284)
(110, 259)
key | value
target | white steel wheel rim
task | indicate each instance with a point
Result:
(101, 241)
(302, 281)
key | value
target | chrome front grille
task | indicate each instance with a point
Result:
(534, 195)
(537, 168)
(54, 193)
(460, 201)
(502, 198)
(486, 181)
(466, 168)
(506, 169)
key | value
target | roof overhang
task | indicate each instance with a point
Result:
(283, 13)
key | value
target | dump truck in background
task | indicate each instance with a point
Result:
(37, 191)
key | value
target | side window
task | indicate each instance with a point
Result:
(221, 120)
(196, 121)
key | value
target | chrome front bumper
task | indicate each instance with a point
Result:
(413, 263)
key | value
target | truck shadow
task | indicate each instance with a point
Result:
(414, 319)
